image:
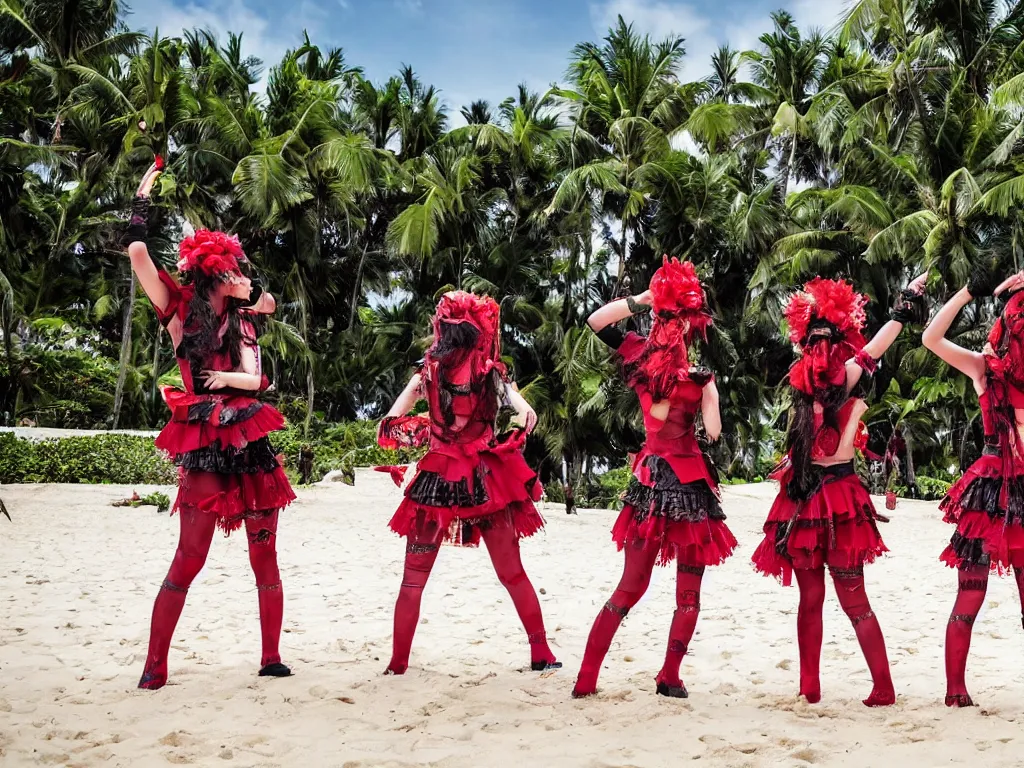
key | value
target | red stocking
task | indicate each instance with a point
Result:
(262, 532)
(1018, 574)
(420, 554)
(684, 621)
(636, 576)
(970, 595)
(849, 583)
(811, 582)
(193, 545)
(503, 547)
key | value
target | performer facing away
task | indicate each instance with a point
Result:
(229, 475)
(823, 515)
(987, 504)
(671, 509)
(471, 484)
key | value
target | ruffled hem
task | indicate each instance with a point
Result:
(233, 498)
(464, 526)
(691, 502)
(701, 543)
(981, 540)
(836, 526)
(199, 421)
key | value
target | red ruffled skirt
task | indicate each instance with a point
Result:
(674, 502)
(226, 464)
(836, 526)
(466, 489)
(988, 513)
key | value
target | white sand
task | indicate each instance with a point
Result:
(80, 578)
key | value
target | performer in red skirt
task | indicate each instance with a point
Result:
(672, 509)
(471, 484)
(229, 475)
(987, 504)
(823, 515)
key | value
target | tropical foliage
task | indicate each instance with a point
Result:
(889, 144)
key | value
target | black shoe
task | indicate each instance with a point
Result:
(544, 666)
(277, 669)
(673, 691)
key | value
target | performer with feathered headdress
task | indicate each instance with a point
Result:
(823, 515)
(672, 509)
(217, 436)
(470, 485)
(987, 504)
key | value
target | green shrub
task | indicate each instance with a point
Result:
(121, 459)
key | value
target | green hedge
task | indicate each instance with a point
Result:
(133, 460)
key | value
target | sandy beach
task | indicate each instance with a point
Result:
(80, 577)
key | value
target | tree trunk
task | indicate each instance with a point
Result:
(622, 258)
(154, 387)
(911, 476)
(310, 392)
(126, 351)
(356, 289)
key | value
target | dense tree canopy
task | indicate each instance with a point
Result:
(890, 144)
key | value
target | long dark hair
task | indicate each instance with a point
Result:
(801, 434)
(454, 345)
(201, 338)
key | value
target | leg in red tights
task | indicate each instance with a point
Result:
(262, 533)
(636, 576)
(193, 546)
(853, 598)
(684, 621)
(972, 583)
(420, 554)
(811, 582)
(1018, 574)
(503, 547)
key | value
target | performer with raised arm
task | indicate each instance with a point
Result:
(229, 475)
(823, 515)
(987, 504)
(671, 509)
(471, 485)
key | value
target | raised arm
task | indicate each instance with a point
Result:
(710, 412)
(618, 310)
(901, 314)
(964, 360)
(135, 241)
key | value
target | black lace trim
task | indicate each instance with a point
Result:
(432, 490)
(969, 551)
(202, 412)
(257, 456)
(821, 475)
(669, 498)
(982, 495)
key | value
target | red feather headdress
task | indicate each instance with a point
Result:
(826, 319)
(679, 296)
(215, 254)
(482, 312)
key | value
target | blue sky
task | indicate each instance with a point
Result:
(473, 49)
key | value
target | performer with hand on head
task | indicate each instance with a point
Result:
(823, 515)
(672, 510)
(987, 504)
(229, 475)
(471, 484)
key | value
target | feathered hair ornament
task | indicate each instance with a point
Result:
(830, 304)
(214, 254)
(679, 296)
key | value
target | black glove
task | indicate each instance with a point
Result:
(138, 222)
(909, 307)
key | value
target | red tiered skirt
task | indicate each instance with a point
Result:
(836, 526)
(988, 513)
(226, 464)
(674, 501)
(466, 489)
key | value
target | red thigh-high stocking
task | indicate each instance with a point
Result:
(503, 547)
(420, 553)
(853, 598)
(193, 546)
(636, 576)
(811, 582)
(684, 621)
(262, 533)
(1018, 574)
(972, 583)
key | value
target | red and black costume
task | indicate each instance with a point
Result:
(987, 504)
(823, 514)
(229, 475)
(471, 485)
(672, 507)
